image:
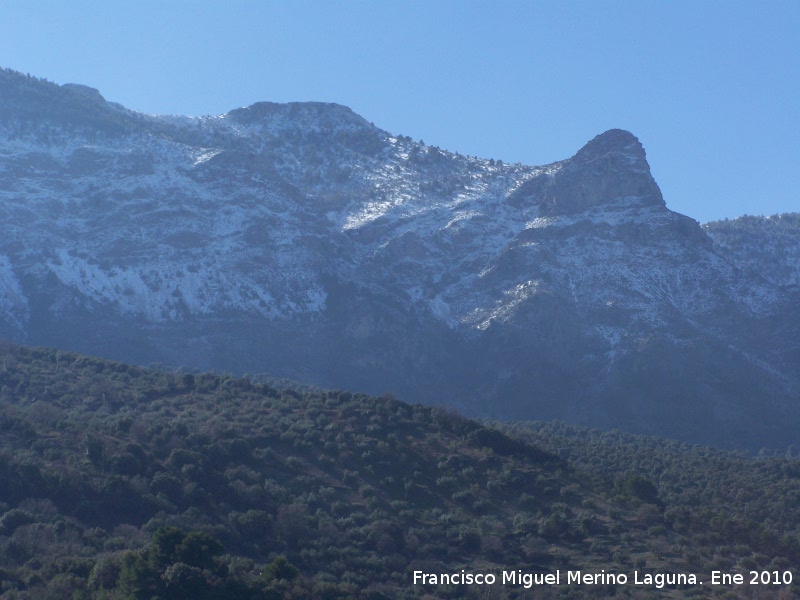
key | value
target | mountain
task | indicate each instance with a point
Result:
(301, 240)
(765, 246)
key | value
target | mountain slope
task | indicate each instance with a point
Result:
(765, 246)
(303, 241)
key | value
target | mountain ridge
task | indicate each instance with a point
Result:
(765, 246)
(303, 241)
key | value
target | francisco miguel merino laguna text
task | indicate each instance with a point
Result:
(528, 580)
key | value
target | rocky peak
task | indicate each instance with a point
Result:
(609, 170)
(84, 91)
(27, 94)
(71, 106)
(308, 139)
(320, 116)
(613, 141)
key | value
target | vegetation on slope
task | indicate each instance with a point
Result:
(122, 482)
(766, 246)
(743, 510)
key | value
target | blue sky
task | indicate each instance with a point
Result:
(712, 89)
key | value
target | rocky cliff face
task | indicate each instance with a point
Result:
(303, 241)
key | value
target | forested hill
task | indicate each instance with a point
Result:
(732, 496)
(122, 482)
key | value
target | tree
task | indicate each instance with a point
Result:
(198, 549)
(280, 568)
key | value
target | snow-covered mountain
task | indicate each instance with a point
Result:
(301, 240)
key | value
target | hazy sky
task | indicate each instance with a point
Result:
(712, 89)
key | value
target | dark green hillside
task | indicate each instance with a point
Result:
(747, 508)
(121, 482)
